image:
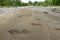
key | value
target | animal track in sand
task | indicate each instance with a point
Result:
(57, 28)
(46, 12)
(16, 32)
(36, 24)
(56, 10)
(24, 15)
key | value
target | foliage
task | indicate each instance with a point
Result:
(56, 2)
(36, 3)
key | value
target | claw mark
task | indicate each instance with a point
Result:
(35, 24)
(14, 31)
(25, 31)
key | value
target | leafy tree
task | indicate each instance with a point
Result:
(1, 2)
(56, 2)
(36, 3)
(5, 2)
(30, 3)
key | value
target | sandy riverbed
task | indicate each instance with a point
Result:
(30, 23)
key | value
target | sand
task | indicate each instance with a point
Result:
(30, 24)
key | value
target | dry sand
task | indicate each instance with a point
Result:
(30, 24)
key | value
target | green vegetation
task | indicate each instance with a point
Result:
(56, 2)
(19, 3)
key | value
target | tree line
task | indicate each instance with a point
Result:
(36, 3)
